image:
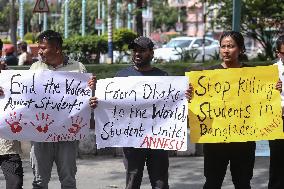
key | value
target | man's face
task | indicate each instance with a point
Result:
(48, 52)
(280, 53)
(142, 57)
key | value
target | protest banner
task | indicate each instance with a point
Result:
(44, 106)
(142, 112)
(235, 105)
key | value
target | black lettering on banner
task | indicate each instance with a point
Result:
(218, 87)
(51, 87)
(76, 89)
(18, 87)
(118, 93)
(110, 131)
(152, 92)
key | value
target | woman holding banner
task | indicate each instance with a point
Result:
(240, 155)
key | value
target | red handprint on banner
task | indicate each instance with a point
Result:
(76, 125)
(14, 123)
(43, 122)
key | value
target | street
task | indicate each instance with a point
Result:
(105, 172)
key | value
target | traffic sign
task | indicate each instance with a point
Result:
(99, 24)
(41, 6)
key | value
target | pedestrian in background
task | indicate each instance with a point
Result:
(25, 58)
(10, 58)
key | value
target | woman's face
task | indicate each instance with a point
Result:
(229, 50)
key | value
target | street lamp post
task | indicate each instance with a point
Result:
(99, 15)
(236, 15)
(66, 19)
(83, 17)
(44, 21)
(109, 27)
(21, 19)
(103, 16)
(204, 32)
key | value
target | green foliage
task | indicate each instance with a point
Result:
(122, 38)
(75, 19)
(262, 20)
(215, 56)
(6, 41)
(4, 15)
(82, 48)
(187, 55)
(164, 16)
(30, 37)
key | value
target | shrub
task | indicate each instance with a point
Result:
(30, 37)
(82, 48)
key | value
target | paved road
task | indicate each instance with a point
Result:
(106, 172)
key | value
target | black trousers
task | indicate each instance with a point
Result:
(240, 155)
(157, 162)
(12, 168)
(276, 169)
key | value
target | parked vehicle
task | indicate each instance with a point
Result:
(191, 47)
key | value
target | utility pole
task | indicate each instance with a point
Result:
(66, 19)
(21, 19)
(44, 21)
(13, 23)
(148, 21)
(129, 10)
(83, 17)
(103, 17)
(117, 20)
(204, 31)
(109, 28)
(236, 15)
(99, 15)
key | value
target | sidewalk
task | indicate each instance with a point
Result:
(106, 172)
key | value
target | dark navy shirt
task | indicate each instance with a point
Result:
(131, 71)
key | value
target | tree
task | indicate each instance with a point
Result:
(13, 23)
(166, 17)
(138, 17)
(262, 20)
(4, 18)
(75, 18)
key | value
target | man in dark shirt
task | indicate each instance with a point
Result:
(157, 161)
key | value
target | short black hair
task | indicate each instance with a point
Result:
(51, 37)
(237, 37)
(1, 45)
(279, 42)
(23, 45)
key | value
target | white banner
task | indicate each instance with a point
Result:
(44, 106)
(142, 112)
